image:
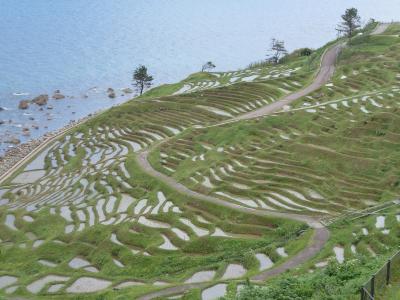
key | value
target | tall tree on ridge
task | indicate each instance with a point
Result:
(351, 22)
(277, 50)
(207, 66)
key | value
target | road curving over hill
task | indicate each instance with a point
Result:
(321, 233)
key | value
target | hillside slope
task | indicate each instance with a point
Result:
(86, 219)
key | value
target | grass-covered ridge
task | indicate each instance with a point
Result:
(333, 151)
(84, 209)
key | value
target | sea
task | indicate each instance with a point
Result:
(84, 47)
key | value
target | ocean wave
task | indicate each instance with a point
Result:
(20, 94)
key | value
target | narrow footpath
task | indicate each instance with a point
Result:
(321, 233)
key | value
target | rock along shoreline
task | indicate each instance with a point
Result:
(14, 155)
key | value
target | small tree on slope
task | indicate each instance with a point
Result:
(207, 66)
(141, 80)
(277, 50)
(351, 22)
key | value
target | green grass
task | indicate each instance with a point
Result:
(335, 159)
(340, 151)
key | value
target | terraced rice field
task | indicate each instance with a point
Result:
(82, 217)
(108, 221)
(332, 152)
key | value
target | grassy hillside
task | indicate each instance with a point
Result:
(335, 150)
(82, 220)
(82, 216)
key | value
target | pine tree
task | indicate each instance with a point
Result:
(141, 80)
(351, 22)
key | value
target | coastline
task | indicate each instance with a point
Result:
(17, 156)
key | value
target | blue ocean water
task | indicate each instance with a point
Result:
(75, 45)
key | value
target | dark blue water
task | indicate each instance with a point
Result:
(74, 45)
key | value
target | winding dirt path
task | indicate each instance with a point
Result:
(380, 28)
(327, 68)
(321, 233)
